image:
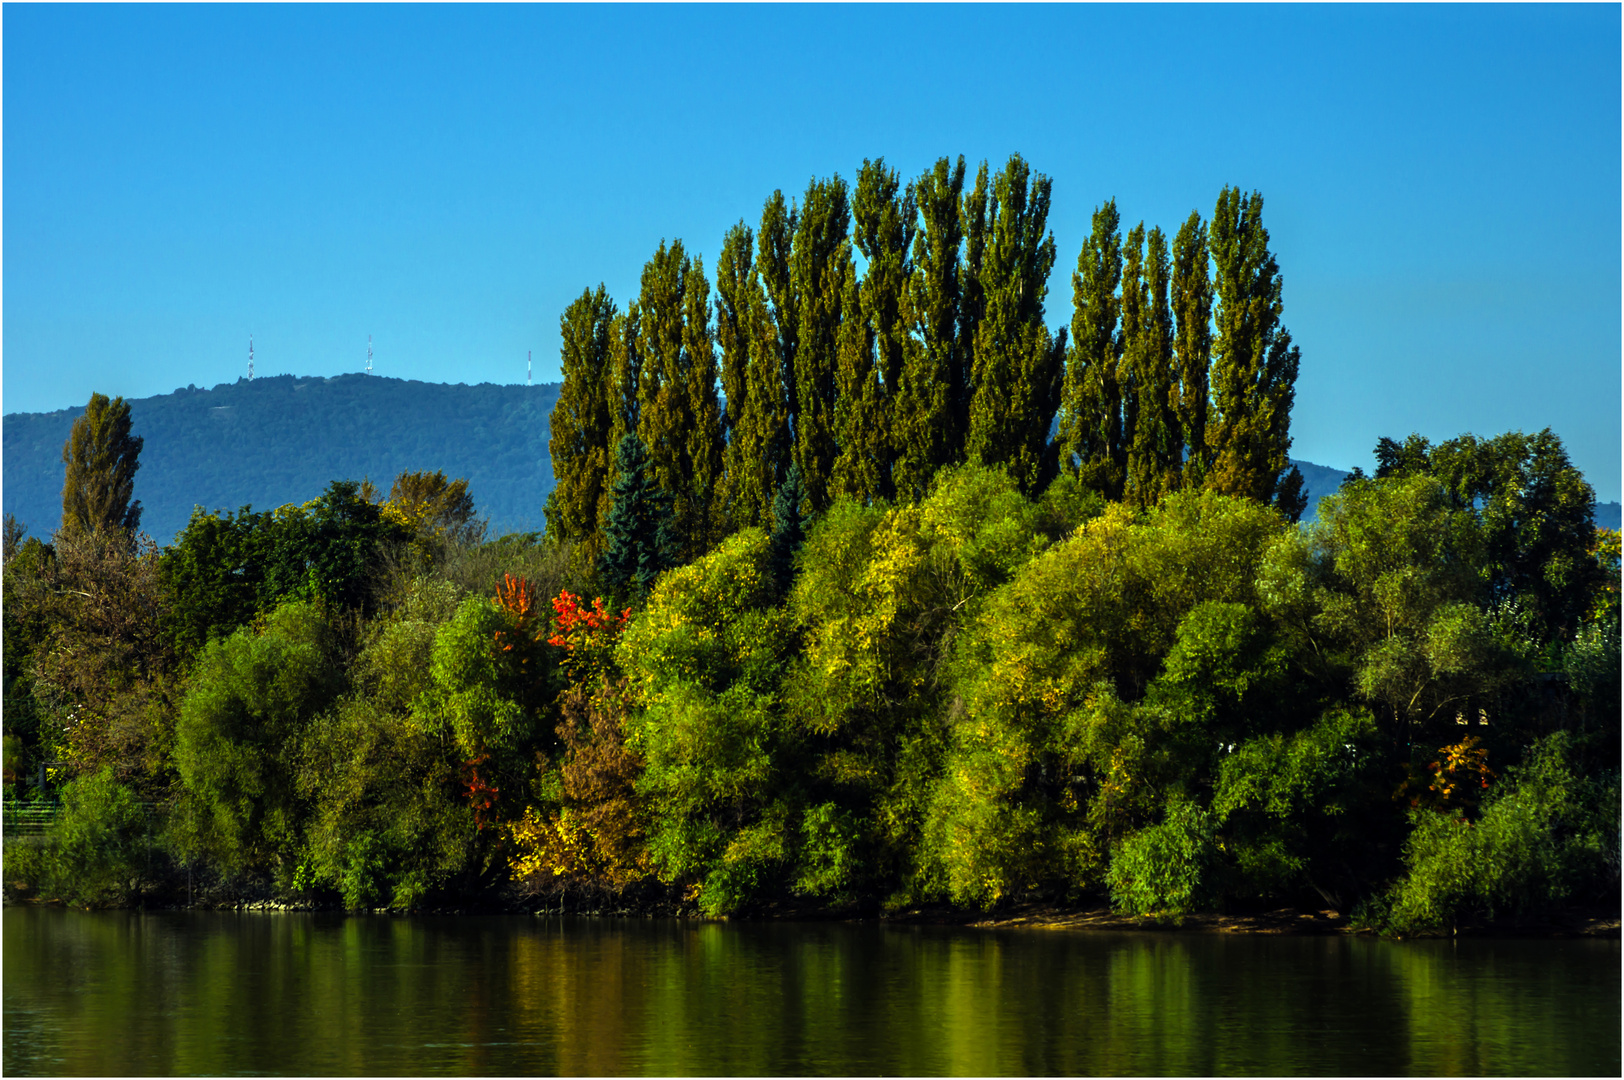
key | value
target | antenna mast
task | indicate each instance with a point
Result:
(369, 354)
(527, 368)
(250, 357)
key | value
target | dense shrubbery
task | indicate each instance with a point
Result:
(975, 698)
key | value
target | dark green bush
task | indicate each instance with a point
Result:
(1545, 837)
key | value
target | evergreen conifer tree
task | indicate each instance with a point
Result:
(101, 458)
(640, 538)
(1091, 407)
(1254, 368)
(924, 418)
(1017, 365)
(792, 516)
(1192, 346)
(582, 420)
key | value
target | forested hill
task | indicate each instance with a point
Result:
(281, 439)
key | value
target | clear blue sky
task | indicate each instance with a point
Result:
(1442, 184)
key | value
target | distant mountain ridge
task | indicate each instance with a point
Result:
(281, 439)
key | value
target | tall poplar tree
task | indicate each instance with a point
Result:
(884, 220)
(818, 262)
(625, 376)
(769, 406)
(679, 418)
(751, 416)
(775, 247)
(101, 458)
(859, 468)
(1154, 451)
(973, 223)
(582, 420)
(703, 452)
(1132, 312)
(1091, 404)
(924, 417)
(1016, 363)
(1254, 369)
(1192, 345)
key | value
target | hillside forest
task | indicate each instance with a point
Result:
(861, 591)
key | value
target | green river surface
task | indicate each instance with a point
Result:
(125, 993)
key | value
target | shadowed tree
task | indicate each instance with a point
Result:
(883, 228)
(738, 288)
(860, 468)
(924, 418)
(639, 538)
(818, 266)
(1016, 363)
(679, 419)
(1091, 405)
(1192, 321)
(974, 224)
(1147, 360)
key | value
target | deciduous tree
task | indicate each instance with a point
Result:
(679, 418)
(818, 269)
(101, 459)
(583, 419)
(1016, 364)
(1152, 430)
(1254, 369)
(925, 420)
(1091, 406)
(1192, 317)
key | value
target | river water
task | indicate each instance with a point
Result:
(130, 993)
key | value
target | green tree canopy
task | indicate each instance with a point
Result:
(927, 426)
(1535, 509)
(1254, 366)
(1016, 364)
(582, 419)
(101, 457)
(1091, 404)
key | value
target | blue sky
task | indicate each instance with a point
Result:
(1442, 184)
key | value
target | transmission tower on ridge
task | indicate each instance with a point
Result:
(369, 354)
(250, 357)
(527, 381)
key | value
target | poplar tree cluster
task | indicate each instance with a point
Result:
(870, 335)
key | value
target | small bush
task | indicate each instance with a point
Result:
(97, 853)
(1166, 870)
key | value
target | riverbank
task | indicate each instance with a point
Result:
(1567, 922)
(1560, 923)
